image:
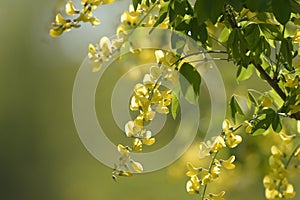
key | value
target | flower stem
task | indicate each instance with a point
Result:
(288, 163)
(209, 170)
(291, 156)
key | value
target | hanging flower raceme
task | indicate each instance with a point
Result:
(62, 25)
(210, 149)
(276, 183)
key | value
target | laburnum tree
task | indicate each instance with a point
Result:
(259, 36)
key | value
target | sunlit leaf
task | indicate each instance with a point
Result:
(194, 80)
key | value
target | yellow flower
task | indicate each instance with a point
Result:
(269, 182)
(93, 4)
(275, 162)
(96, 67)
(296, 37)
(291, 83)
(192, 170)
(123, 150)
(215, 171)
(84, 17)
(129, 18)
(132, 129)
(137, 144)
(218, 144)
(61, 25)
(148, 140)
(126, 174)
(121, 31)
(134, 103)
(267, 101)
(286, 138)
(233, 140)
(107, 1)
(147, 80)
(276, 151)
(289, 192)
(193, 185)
(146, 113)
(160, 56)
(56, 32)
(204, 150)
(106, 46)
(59, 19)
(141, 90)
(70, 9)
(94, 21)
(248, 126)
(217, 196)
(163, 99)
(162, 109)
(272, 194)
(226, 127)
(206, 177)
(92, 49)
(228, 164)
(94, 54)
(136, 166)
(294, 109)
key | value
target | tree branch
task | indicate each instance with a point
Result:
(272, 82)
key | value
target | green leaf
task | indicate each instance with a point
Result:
(251, 99)
(208, 9)
(224, 35)
(265, 120)
(136, 3)
(203, 34)
(201, 10)
(199, 32)
(259, 5)
(237, 47)
(270, 31)
(276, 124)
(252, 33)
(277, 99)
(163, 12)
(244, 73)
(295, 6)
(237, 4)
(286, 49)
(265, 46)
(175, 104)
(215, 10)
(180, 7)
(235, 108)
(282, 10)
(191, 75)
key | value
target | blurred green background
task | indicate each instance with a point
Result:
(41, 155)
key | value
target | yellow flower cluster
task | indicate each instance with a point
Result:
(140, 16)
(276, 183)
(105, 49)
(292, 85)
(126, 164)
(85, 15)
(149, 97)
(202, 176)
